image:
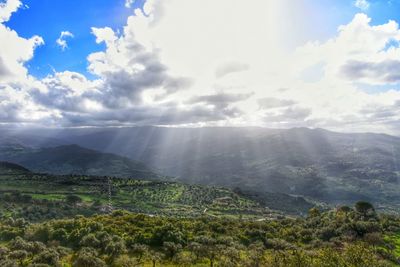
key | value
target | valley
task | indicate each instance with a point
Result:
(319, 165)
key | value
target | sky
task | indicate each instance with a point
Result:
(278, 63)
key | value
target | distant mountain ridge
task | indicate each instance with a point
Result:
(73, 159)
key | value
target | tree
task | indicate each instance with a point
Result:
(90, 240)
(167, 233)
(155, 257)
(126, 261)
(139, 250)
(3, 252)
(41, 232)
(364, 207)
(231, 257)
(50, 257)
(207, 248)
(87, 257)
(8, 263)
(19, 244)
(255, 254)
(314, 212)
(115, 248)
(344, 209)
(60, 235)
(184, 258)
(171, 249)
(19, 255)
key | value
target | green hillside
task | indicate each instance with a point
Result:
(36, 196)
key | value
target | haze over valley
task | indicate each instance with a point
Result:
(329, 167)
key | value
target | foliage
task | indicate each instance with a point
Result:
(331, 238)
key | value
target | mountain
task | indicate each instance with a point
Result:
(73, 159)
(12, 168)
(315, 163)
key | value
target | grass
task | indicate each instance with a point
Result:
(395, 241)
(48, 196)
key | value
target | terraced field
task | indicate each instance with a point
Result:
(149, 197)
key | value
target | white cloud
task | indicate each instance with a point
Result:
(230, 67)
(15, 51)
(16, 104)
(7, 8)
(185, 48)
(362, 4)
(61, 41)
(172, 66)
(129, 3)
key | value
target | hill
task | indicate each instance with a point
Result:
(12, 168)
(37, 196)
(319, 164)
(73, 159)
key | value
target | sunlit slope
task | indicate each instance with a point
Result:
(329, 166)
(44, 196)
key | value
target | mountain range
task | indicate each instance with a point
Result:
(318, 164)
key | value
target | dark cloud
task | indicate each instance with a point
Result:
(220, 100)
(380, 112)
(387, 71)
(60, 95)
(9, 112)
(218, 106)
(272, 102)
(121, 87)
(124, 84)
(169, 114)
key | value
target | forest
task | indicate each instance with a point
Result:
(345, 236)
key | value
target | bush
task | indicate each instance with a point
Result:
(364, 207)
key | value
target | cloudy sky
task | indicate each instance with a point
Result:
(276, 63)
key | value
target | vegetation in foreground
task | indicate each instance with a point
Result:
(342, 237)
(62, 221)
